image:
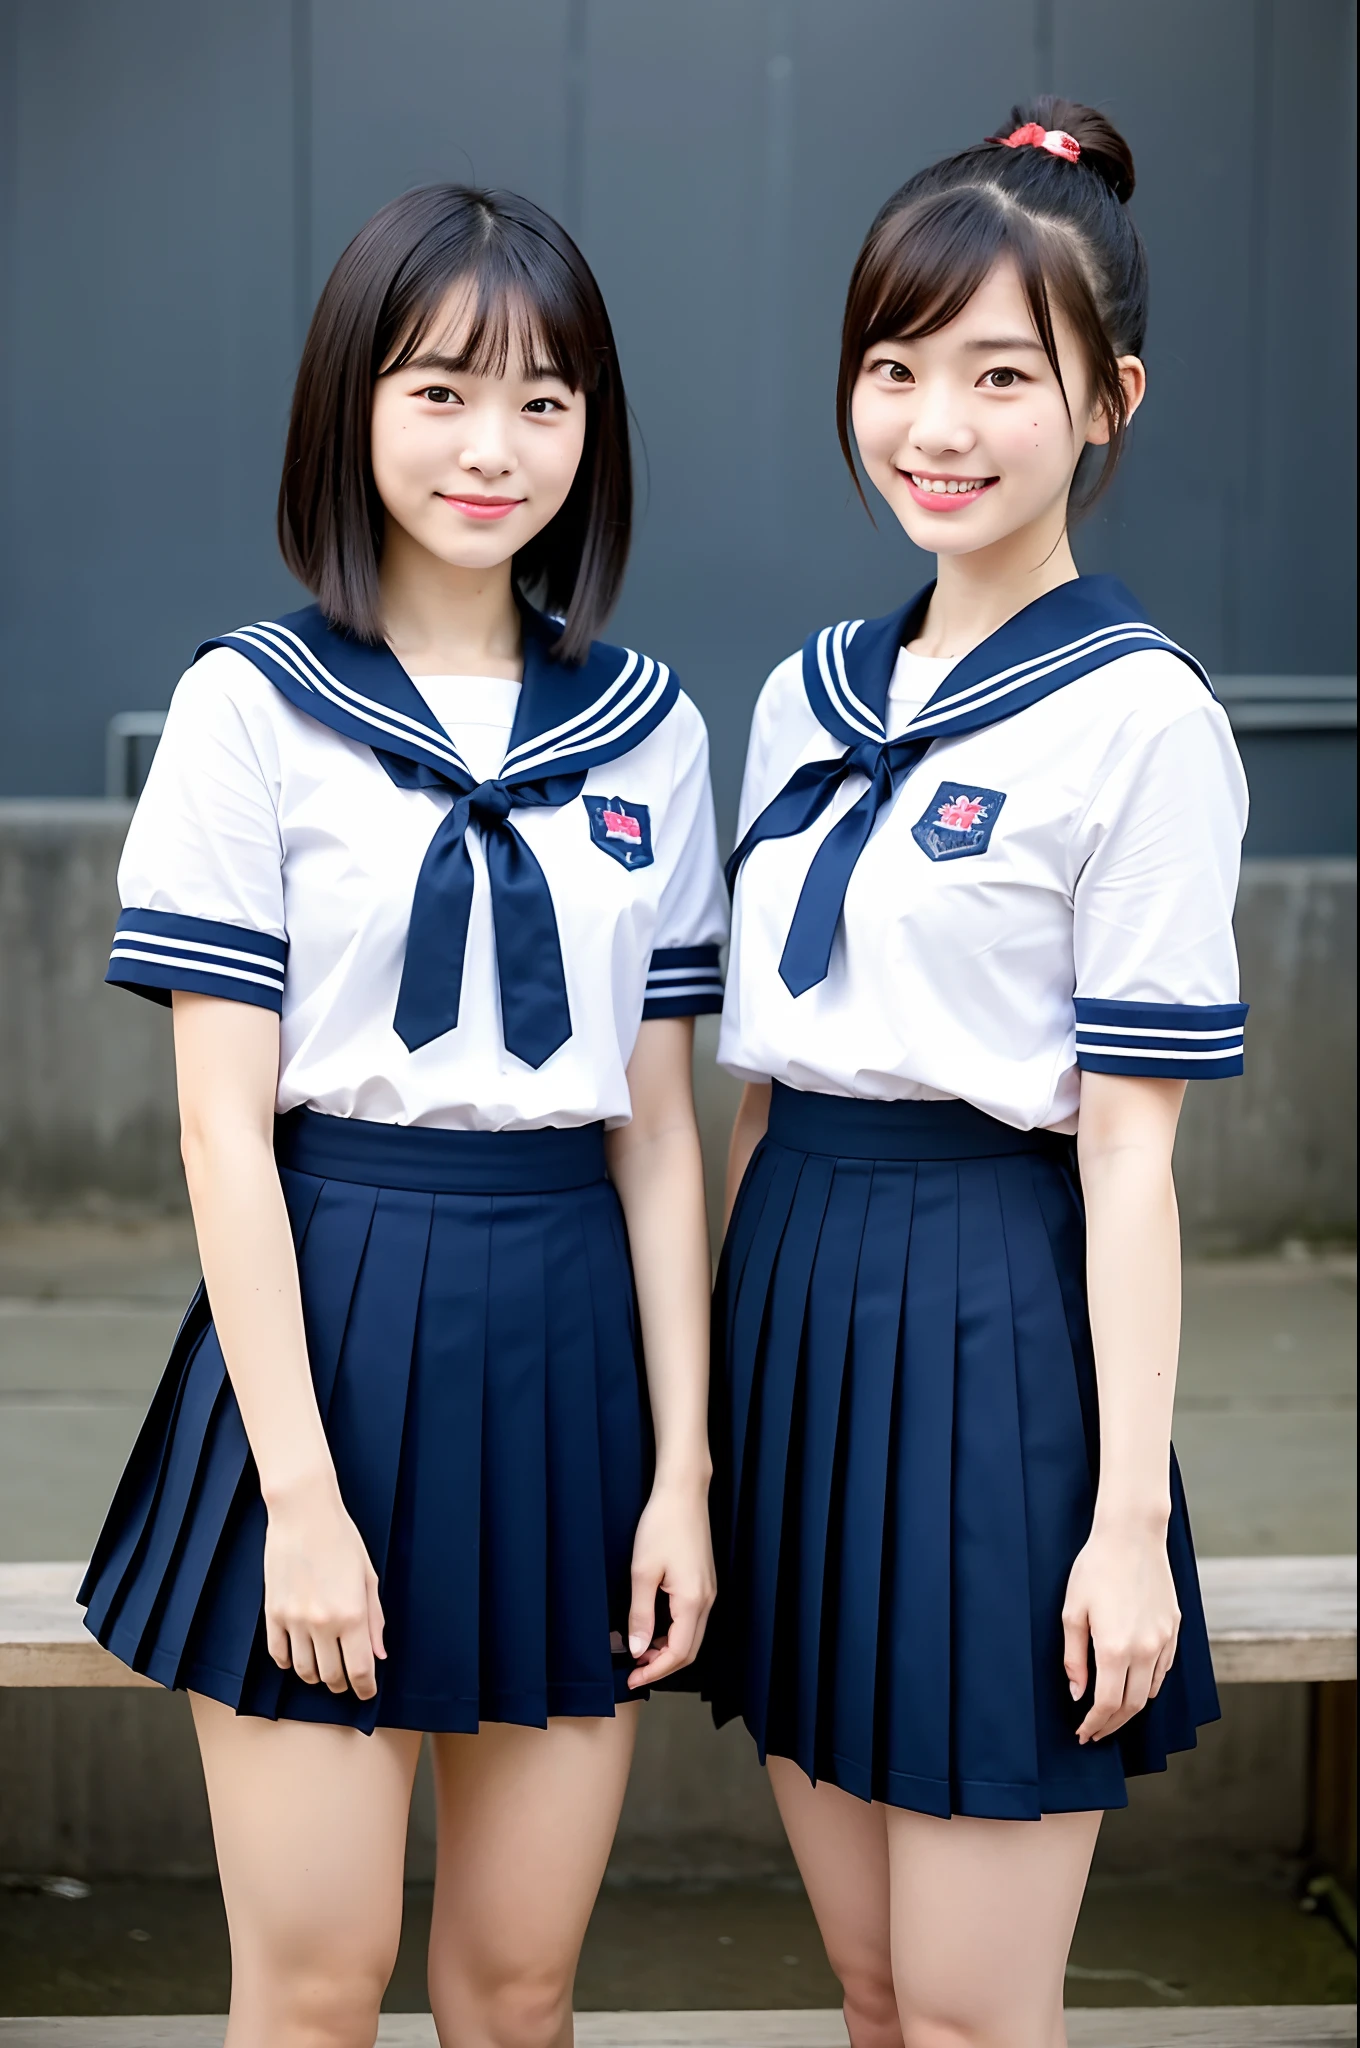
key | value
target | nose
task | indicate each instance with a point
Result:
(487, 447)
(939, 425)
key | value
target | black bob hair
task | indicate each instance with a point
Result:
(534, 290)
(1063, 224)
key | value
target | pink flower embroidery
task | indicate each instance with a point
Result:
(961, 813)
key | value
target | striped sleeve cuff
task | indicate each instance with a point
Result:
(683, 981)
(155, 951)
(1180, 1041)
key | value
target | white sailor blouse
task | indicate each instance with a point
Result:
(1034, 874)
(466, 937)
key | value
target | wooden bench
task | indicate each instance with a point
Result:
(1232, 2026)
(1271, 1620)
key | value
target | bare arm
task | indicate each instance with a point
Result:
(753, 1115)
(1120, 1594)
(656, 1166)
(322, 1615)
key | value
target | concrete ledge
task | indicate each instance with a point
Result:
(1225, 2026)
(1272, 1620)
(87, 1100)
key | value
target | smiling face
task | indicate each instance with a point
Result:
(471, 464)
(965, 432)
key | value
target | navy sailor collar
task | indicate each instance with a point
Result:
(567, 720)
(1059, 637)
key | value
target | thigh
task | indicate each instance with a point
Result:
(309, 1824)
(841, 1847)
(526, 1818)
(982, 1918)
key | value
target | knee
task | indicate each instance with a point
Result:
(312, 2006)
(870, 2003)
(530, 2010)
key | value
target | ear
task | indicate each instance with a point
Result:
(1133, 380)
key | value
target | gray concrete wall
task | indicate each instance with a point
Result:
(103, 1784)
(87, 1110)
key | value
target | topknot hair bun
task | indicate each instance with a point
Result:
(1103, 148)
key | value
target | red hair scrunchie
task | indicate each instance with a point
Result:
(1056, 141)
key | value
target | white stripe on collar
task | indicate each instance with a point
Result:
(850, 707)
(293, 655)
(992, 688)
(616, 711)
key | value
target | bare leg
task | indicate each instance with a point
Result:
(982, 1918)
(526, 1819)
(841, 1845)
(310, 1828)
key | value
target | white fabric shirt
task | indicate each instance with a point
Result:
(1105, 891)
(282, 839)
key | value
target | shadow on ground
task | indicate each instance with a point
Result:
(162, 1948)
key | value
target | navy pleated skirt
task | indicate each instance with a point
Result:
(472, 1331)
(906, 1430)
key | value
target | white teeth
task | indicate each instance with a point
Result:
(951, 487)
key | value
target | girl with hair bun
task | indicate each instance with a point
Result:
(428, 872)
(982, 938)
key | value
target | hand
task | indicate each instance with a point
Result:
(322, 1615)
(672, 1549)
(1122, 1599)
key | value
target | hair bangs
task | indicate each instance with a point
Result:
(510, 315)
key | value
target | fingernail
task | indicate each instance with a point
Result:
(1075, 1690)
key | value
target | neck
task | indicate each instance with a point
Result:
(976, 594)
(443, 620)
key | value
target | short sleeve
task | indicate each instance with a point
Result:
(684, 978)
(1156, 964)
(201, 877)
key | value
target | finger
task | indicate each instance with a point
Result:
(376, 1623)
(304, 1659)
(642, 1613)
(329, 1661)
(1108, 1698)
(1076, 1637)
(1164, 1664)
(276, 1642)
(1137, 1691)
(675, 1652)
(356, 1648)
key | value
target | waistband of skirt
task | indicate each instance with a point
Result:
(853, 1127)
(439, 1162)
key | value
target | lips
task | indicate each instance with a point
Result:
(474, 507)
(946, 493)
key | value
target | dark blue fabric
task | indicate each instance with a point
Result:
(906, 1438)
(1062, 636)
(477, 1368)
(156, 951)
(567, 721)
(535, 1014)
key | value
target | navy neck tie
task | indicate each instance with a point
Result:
(806, 958)
(535, 1015)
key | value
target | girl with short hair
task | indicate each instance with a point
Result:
(981, 939)
(428, 873)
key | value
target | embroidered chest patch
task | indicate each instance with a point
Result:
(621, 829)
(958, 820)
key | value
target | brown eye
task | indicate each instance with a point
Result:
(439, 394)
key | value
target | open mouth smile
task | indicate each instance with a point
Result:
(946, 493)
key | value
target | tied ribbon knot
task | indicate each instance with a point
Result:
(885, 765)
(535, 1014)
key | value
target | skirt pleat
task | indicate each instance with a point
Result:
(906, 1429)
(474, 1353)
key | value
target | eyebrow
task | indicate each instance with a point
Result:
(1007, 341)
